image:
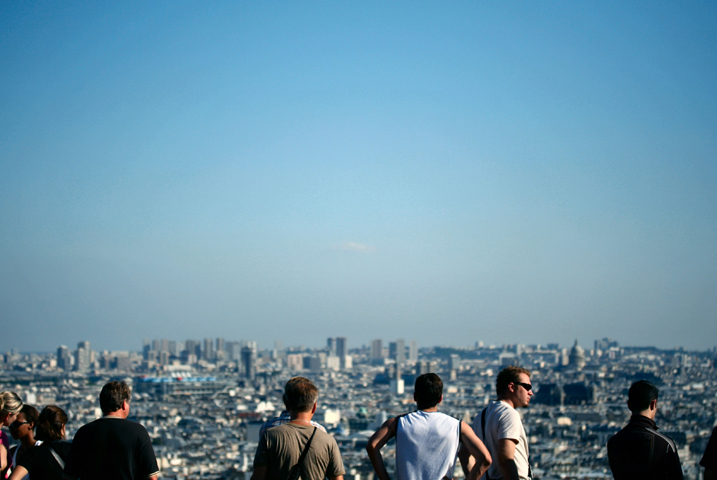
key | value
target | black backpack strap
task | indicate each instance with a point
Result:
(296, 471)
(306, 449)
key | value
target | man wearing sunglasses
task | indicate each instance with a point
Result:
(500, 428)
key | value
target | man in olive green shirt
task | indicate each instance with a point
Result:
(280, 447)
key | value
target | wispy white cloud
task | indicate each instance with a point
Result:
(357, 247)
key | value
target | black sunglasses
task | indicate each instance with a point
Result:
(528, 387)
(18, 423)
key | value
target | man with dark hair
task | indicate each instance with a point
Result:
(638, 452)
(281, 448)
(112, 447)
(113, 395)
(426, 440)
(500, 428)
(285, 416)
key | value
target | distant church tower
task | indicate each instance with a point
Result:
(577, 357)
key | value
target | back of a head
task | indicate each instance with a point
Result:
(640, 395)
(50, 423)
(428, 390)
(10, 402)
(113, 395)
(300, 395)
(507, 376)
(30, 413)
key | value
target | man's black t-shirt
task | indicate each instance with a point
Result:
(111, 448)
(41, 464)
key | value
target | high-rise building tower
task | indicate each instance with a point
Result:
(208, 353)
(248, 360)
(64, 359)
(331, 345)
(342, 351)
(397, 351)
(377, 349)
(83, 356)
(413, 352)
(341, 347)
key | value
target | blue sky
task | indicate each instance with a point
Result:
(514, 172)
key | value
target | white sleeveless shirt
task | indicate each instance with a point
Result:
(426, 446)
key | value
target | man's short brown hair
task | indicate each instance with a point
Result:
(113, 395)
(507, 376)
(300, 395)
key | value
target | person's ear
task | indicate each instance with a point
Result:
(653, 404)
(440, 399)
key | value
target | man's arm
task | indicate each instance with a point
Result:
(472, 447)
(376, 442)
(506, 458)
(339, 477)
(18, 473)
(466, 459)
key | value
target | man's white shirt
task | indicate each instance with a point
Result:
(503, 422)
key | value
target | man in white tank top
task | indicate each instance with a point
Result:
(427, 441)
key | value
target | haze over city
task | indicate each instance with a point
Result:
(445, 172)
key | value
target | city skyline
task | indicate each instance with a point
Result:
(524, 173)
(410, 346)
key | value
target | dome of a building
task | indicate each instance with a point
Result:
(577, 357)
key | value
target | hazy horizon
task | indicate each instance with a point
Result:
(449, 172)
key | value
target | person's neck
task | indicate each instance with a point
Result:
(27, 442)
(507, 400)
(301, 417)
(647, 413)
(430, 409)
(116, 413)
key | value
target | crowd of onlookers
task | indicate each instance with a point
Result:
(42, 449)
(428, 443)
(108, 448)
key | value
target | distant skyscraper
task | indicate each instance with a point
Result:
(248, 360)
(377, 349)
(192, 347)
(331, 345)
(233, 350)
(397, 351)
(64, 359)
(208, 353)
(220, 349)
(342, 351)
(454, 362)
(341, 347)
(424, 367)
(413, 351)
(83, 357)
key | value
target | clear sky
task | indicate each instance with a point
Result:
(511, 172)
